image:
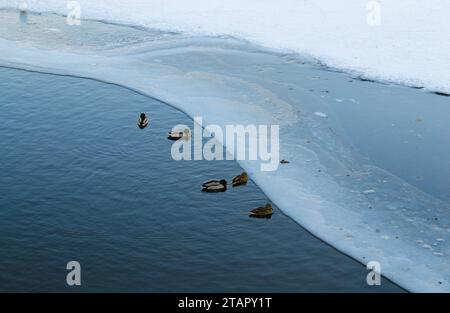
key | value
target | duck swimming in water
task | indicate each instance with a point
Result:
(142, 121)
(215, 186)
(265, 211)
(240, 180)
(179, 134)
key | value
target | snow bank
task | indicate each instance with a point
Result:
(410, 45)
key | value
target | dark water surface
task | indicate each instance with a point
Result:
(79, 181)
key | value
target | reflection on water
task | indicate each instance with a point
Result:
(80, 181)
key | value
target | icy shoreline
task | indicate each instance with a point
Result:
(326, 186)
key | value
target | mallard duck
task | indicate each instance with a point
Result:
(265, 211)
(240, 180)
(179, 134)
(142, 121)
(215, 186)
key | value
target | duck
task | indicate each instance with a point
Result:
(179, 134)
(142, 121)
(264, 211)
(215, 186)
(240, 180)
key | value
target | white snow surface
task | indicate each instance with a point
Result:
(409, 46)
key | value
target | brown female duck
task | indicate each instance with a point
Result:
(265, 211)
(240, 180)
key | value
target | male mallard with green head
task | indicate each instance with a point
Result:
(142, 121)
(215, 186)
(240, 180)
(265, 211)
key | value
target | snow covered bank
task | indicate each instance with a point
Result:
(408, 46)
